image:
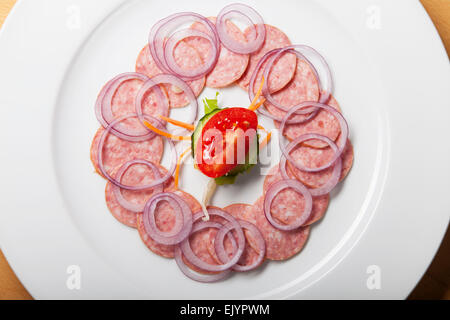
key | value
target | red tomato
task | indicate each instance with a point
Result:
(225, 140)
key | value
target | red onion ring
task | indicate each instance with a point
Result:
(238, 10)
(342, 144)
(159, 33)
(183, 224)
(205, 278)
(152, 206)
(251, 87)
(173, 65)
(267, 56)
(192, 258)
(311, 113)
(223, 256)
(325, 93)
(335, 177)
(118, 193)
(262, 110)
(272, 193)
(104, 113)
(155, 183)
(156, 45)
(271, 57)
(166, 79)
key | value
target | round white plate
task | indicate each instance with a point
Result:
(383, 226)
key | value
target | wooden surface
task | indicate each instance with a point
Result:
(436, 282)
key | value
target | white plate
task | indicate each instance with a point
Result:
(392, 80)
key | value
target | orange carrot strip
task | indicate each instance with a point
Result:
(259, 104)
(165, 134)
(266, 141)
(177, 123)
(258, 94)
(262, 128)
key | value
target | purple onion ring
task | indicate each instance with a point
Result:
(273, 192)
(337, 169)
(192, 258)
(342, 144)
(104, 113)
(220, 249)
(238, 10)
(166, 79)
(160, 31)
(204, 278)
(155, 183)
(118, 193)
(183, 224)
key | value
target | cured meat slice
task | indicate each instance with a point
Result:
(324, 123)
(165, 221)
(280, 245)
(136, 175)
(117, 152)
(282, 71)
(200, 242)
(124, 103)
(316, 158)
(230, 66)
(288, 204)
(303, 87)
(250, 255)
(238, 210)
(187, 57)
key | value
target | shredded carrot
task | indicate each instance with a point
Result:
(259, 104)
(258, 94)
(165, 134)
(266, 141)
(177, 171)
(263, 129)
(177, 123)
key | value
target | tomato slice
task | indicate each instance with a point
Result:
(225, 140)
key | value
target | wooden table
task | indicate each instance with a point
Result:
(436, 282)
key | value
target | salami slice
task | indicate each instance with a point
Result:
(136, 175)
(324, 123)
(116, 151)
(282, 71)
(165, 221)
(124, 103)
(238, 210)
(315, 158)
(200, 242)
(187, 58)
(303, 87)
(250, 255)
(288, 204)
(230, 66)
(281, 245)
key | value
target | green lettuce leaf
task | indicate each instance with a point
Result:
(221, 181)
(211, 104)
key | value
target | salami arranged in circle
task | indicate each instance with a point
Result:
(186, 52)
